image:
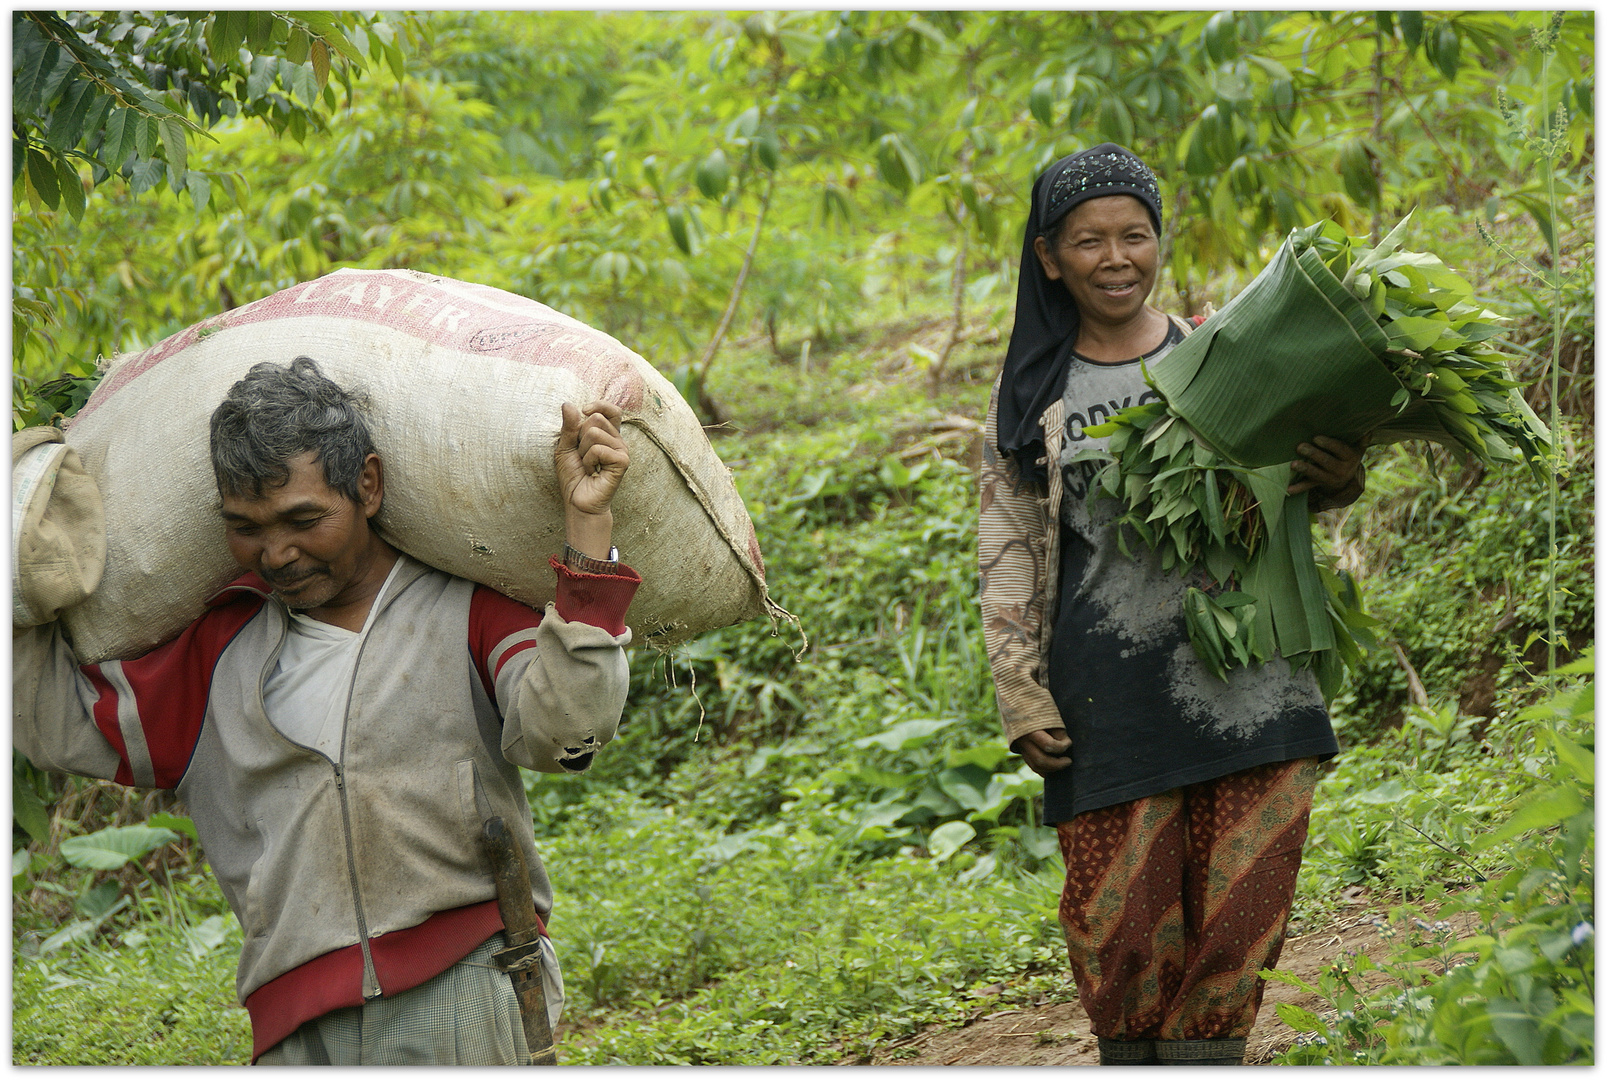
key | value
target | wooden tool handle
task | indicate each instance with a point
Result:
(519, 919)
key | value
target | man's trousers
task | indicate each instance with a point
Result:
(467, 1015)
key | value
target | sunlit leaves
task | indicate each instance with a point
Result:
(105, 86)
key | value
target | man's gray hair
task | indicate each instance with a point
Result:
(278, 412)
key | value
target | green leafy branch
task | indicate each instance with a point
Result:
(1547, 145)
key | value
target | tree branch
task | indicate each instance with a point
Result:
(713, 348)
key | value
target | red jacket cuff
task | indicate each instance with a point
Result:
(598, 599)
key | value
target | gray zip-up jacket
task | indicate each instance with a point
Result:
(454, 686)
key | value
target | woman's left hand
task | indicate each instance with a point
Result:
(1332, 467)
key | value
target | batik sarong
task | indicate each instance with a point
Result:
(1175, 903)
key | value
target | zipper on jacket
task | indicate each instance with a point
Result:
(371, 988)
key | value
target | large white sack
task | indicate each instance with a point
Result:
(58, 528)
(465, 384)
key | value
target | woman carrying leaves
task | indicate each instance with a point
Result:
(1181, 799)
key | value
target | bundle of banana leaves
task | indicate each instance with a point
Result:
(1336, 338)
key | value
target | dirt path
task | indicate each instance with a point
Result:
(1057, 1033)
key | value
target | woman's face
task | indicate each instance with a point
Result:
(1106, 256)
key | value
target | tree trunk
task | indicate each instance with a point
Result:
(711, 410)
(956, 331)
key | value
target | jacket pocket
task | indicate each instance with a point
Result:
(473, 806)
(254, 925)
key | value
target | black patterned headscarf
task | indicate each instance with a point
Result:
(1045, 332)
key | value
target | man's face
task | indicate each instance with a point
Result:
(304, 538)
(1107, 257)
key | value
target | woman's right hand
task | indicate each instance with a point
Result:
(1045, 751)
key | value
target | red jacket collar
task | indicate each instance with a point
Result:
(240, 588)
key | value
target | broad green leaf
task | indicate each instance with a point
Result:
(72, 187)
(1541, 810)
(1517, 1030)
(1230, 625)
(298, 45)
(905, 735)
(114, 847)
(883, 813)
(1579, 762)
(676, 218)
(264, 69)
(897, 163)
(1245, 381)
(984, 868)
(932, 802)
(305, 83)
(327, 26)
(32, 59)
(1414, 332)
(966, 785)
(881, 778)
(769, 148)
(211, 933)
(394, 59)
(1288, 979)
(1297, 1018)
(1391, 791)
(118, 142)
(985, 755)
(948, 838)
(225, 33)
(1041, 101)
(28, 811)
(81, 930)
(1444, 48)
(102, 900)
(1411, 29)
(43, 178)
(745, 125)
(1270, 487)
(259, 30)
(200, 189)
(66, 128)
(1039, 841)
(172, 133)
(178, 824)
(713, 174)
(722, 850)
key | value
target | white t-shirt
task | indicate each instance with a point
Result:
(307, 692)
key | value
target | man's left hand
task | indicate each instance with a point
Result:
(1330, 466)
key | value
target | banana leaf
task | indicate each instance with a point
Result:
(1292, 356)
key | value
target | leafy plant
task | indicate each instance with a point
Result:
(1520, 990)
(1200, 471)
(112, 848)
(1546, 146)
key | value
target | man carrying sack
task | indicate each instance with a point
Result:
(342, 724)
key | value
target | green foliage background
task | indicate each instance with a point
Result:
(800, 851)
